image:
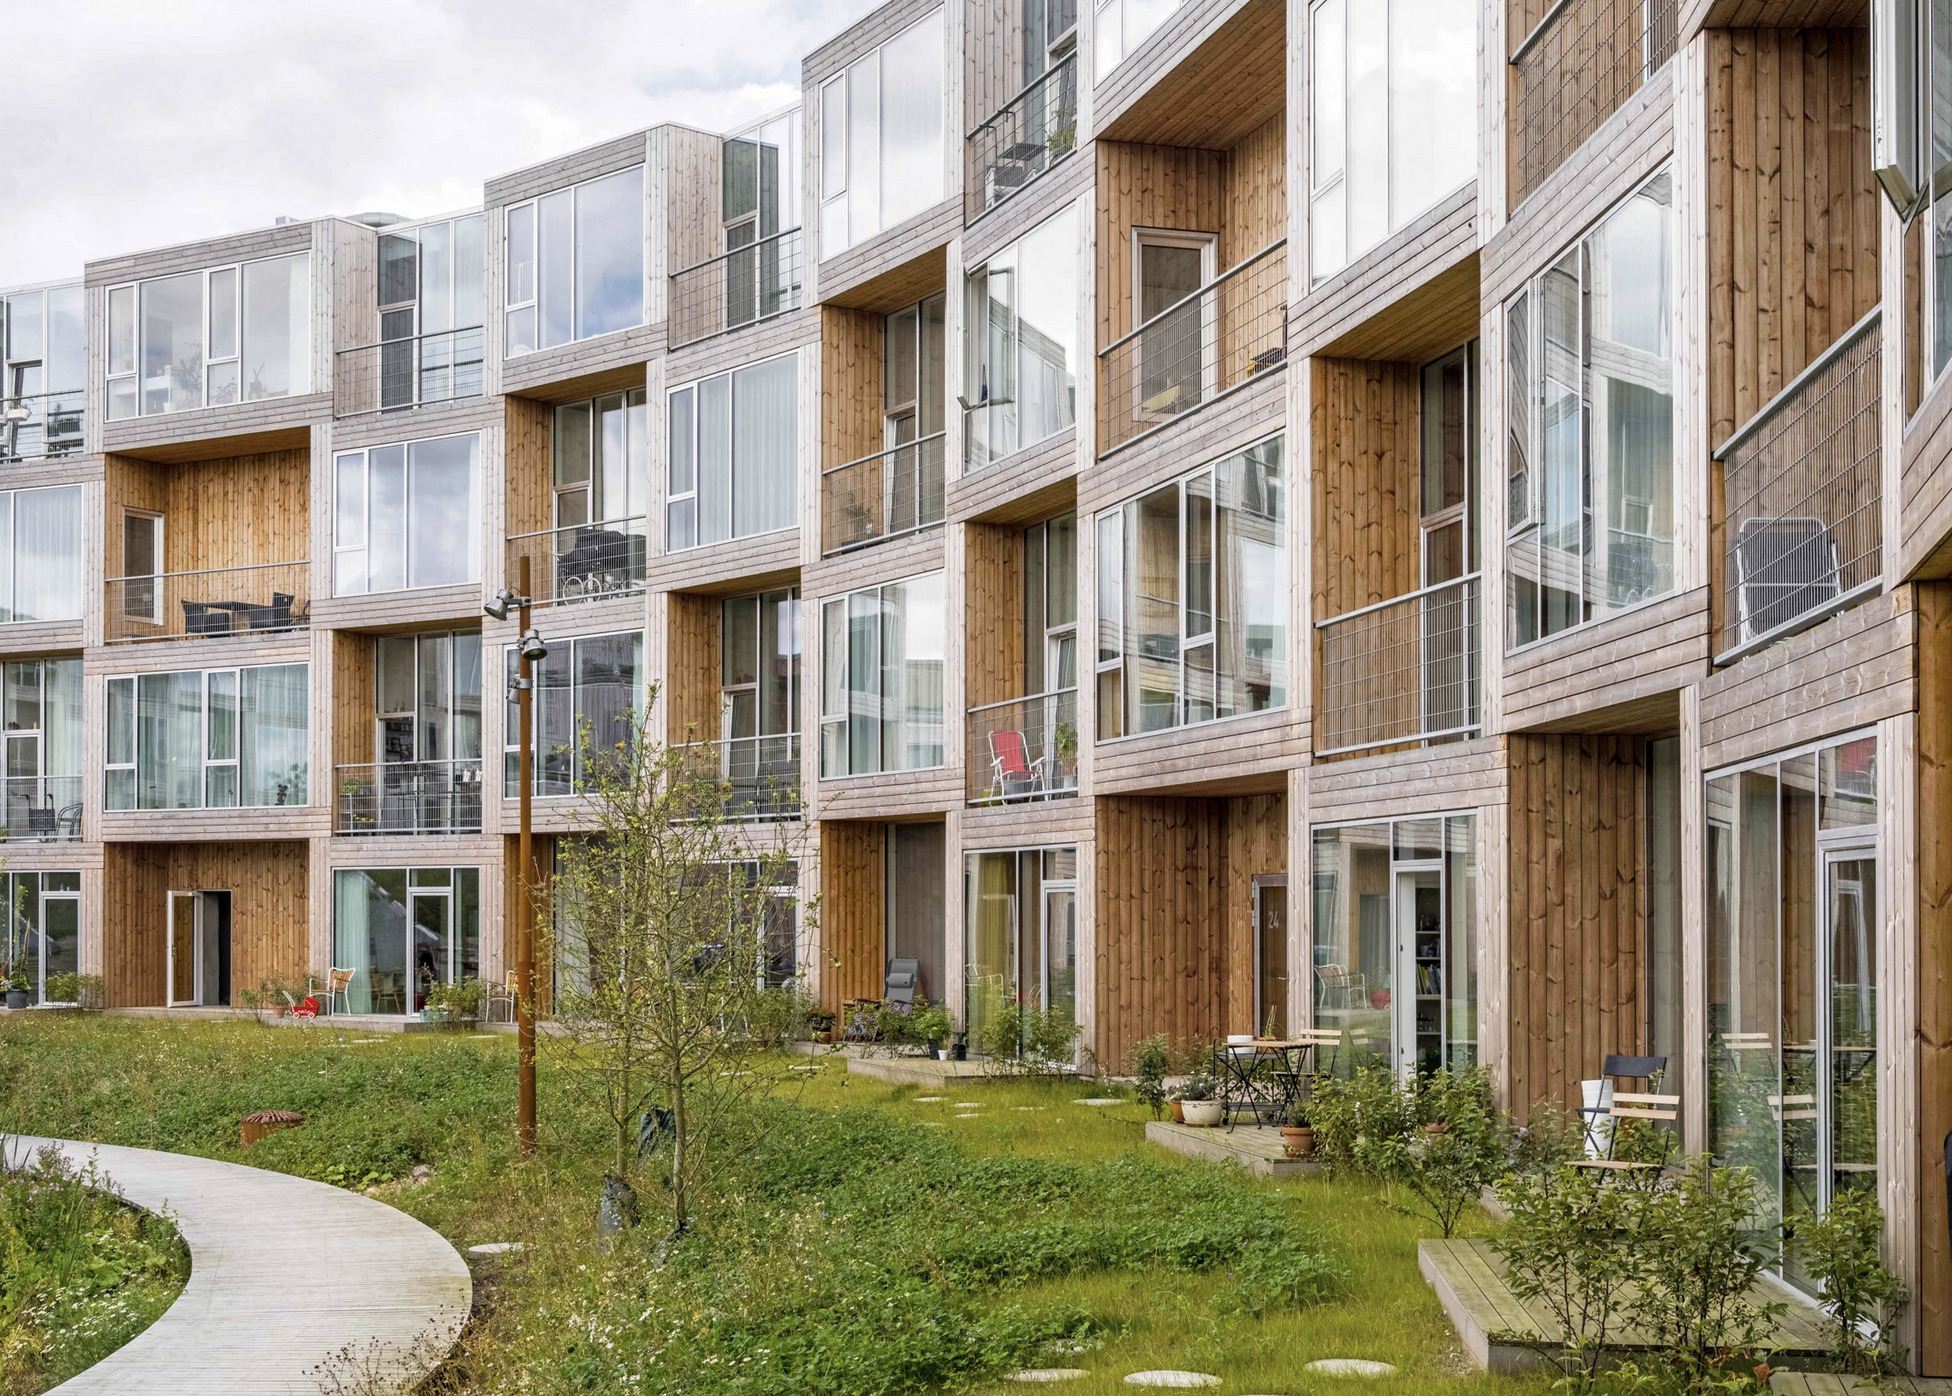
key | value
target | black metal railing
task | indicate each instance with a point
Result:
(1805, 499)
(409, 797)
(1401, 670)
(1023, 748)
(1196, 350)
(882, 496)
(583, 562)
(760, 776)
(735, 289)
(36, 426)
(1032, 132)
(43, 809)
(1575, 69)
(220, 601)
(443, 366)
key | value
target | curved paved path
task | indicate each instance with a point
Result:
(285, 1274)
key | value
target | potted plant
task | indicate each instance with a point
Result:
(934, 1026)
(16, 993)
(1297, 1135)
(1200, 1103)
(820, 1023)
(1065, 739)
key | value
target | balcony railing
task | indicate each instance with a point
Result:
(1805, 523)
(1196, 350)
(583, 562)
(409, 797)
(223, 601)
(1402, 670)
(1024, 749)
(439, 367)
(736, 289)
(35, 426)
(45, 809)
(881, 496)
(1034, 130)
(760, 775)
(1575, 69)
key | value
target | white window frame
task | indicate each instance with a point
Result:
(364, 545)
(1208, 246)
(206, 762)
(133, 289)
(731, 377)
(153, 612)
(532, 208)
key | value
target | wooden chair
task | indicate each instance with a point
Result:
(338, 985)
(1633, 1105)
(1336, 979)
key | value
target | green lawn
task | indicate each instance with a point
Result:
(376, 1108)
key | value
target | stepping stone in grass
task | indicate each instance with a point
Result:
(806, 1068)
(936, 1124)
(1350, 1367)
(927, 1099)
(1030, 1107)
(969, 1105)
(483, 1036)
(1171, 1378)
(1048, 1374)
(1099, 1100)
(495, 1248)
(972, 1115)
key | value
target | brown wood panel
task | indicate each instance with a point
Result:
(1255, 829)
(697, 218)
(1578, 902)
(992, 57)
(1148, 186)
(1933, 1284)
(269, 883)
(527, 467)
(1226, 85)
(230, 512)
(353, 696)
(850, 384)
(1254, 207)
(692, 671)
(993, 613)
(1772, 14)
(853, 905)
(1364, 424)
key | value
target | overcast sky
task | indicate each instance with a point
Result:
(134, 124)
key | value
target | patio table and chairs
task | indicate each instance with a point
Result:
(1262, 1074)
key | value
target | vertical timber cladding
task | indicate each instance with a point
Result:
(528, 461)
(692, 667)
(270, 889)
(1792, 220)
(1933, 950)
(992, 58)
(851, 398)
(1175, 932)
(1578, 910)
(853, 911)
(993, 615)
(229, 512)
(353, 698)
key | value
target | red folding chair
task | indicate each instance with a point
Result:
(1012, 772)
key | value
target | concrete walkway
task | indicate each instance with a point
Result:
(285, 1275)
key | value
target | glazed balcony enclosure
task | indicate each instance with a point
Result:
(406, 733)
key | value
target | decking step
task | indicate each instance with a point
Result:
(1255, 1147)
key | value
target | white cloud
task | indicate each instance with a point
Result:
(141, 123)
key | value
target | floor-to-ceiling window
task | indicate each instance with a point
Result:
(407, 516)
(733, 464)
(1793, 977)
(401, 931)
(881, 137)
(916, 886)
(589, 694)
(1020, 937)
(42, 934)
(575, 263)
(44, 743)
(210, 338)
(881, 656)
(1395, 942)
(208, 739)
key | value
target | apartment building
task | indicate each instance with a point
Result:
(1513, 553)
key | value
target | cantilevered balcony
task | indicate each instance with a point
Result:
(885, 495)
(759, 776)
(1019, 144)
(583, 562)
(1402, 670)
(40, 426)
(409, 797)
(1197, 350)
(411, 372)
(1023, 749)
(222, 601)
(735, 289)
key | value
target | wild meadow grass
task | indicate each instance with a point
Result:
(871, 1240)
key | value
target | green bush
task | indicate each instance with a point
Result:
(1445, 1167)
(465, 998)
(1367, 1108)
(1842, 1253)
(83, 990)
(1148, 1061)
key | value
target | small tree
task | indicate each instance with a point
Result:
(1842, 1254)
(657, 932)
(1447, 1167)
(1148, 1061)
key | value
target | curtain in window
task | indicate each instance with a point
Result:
(46, 554)
(61, 716)
(765, 447)
(169, 740)
(715, 482)
(275, 736)
(467, 923)
(990, 944)
(351, 936)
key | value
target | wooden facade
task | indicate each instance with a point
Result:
(268, 884)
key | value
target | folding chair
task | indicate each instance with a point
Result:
(338, 986)
(1012, 773)
(903, 976)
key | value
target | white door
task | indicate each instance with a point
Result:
(185, 946)
(1417, 976)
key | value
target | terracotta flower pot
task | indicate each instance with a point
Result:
(1435, 1128)
(1179, 1115)
(1298, 1141)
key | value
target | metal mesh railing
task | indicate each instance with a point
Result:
(1401, 670)
(736, 289)
(760, 776)
(409, 797)
(1024, 749)
(1032, 132)
(1573, 71)
(884, 495)
(440, 367)
(44, 809)
(222, 601)
(36, 426)
(1197, 350)
(1805, 521)
(583, 562)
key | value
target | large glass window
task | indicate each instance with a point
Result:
(1193, 598)
(1118, 27)
(1393, 119)
(589, 698)
(1020, 933)
(1590, 426)
(1793, 932)
(44, 743)
(430, 308)
(1396, 942)
(42, 376)
(210, 338)
(881, 137)
(881, 657)
(40, 554)
(401, 931)
(41, 939)
(601, 473)
(733, 469)
(575, 261)
(1020, 342)
(208, 739)
(407, 516)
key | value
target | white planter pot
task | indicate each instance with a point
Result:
(1203, 1112)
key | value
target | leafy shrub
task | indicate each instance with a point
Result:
(1148, 1061)
(1367, 1107)
(779, 1016)
(1015, 1038)
(464, 998)
(1841, 1252)
(1444, 1168)
(83, 990)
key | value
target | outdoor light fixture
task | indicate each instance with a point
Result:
(533, 648)
(501, 604)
